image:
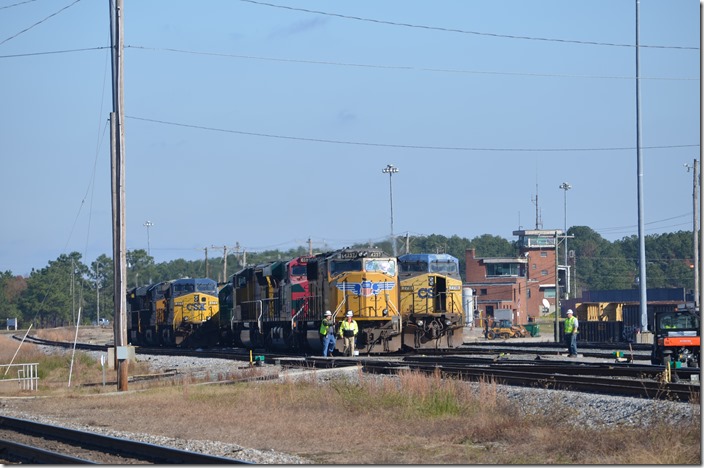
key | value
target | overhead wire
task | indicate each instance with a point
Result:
(39, 22)
(392, 145)
(463, 31)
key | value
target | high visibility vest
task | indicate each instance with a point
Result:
(569, 324)
(327, 326)
(345, 325)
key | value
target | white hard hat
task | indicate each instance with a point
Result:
(349, 313)
(327, 312)
(569, 311)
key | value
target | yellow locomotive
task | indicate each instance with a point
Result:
(365, 281)
(431, 301)
(182, 312)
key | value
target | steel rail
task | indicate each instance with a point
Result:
(35, 455)
(149, 452)
(603, 385)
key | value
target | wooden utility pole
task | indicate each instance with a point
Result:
(117, 150)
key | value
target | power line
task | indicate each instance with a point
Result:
(398, 67)
(30, 54)
(391, 145)
(462, 31)
(39, 22)
(17, 4)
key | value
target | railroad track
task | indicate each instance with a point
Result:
(467, 362)
(26, 441)
(560, 377)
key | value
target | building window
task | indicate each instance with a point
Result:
(535, 266)
(543, 253)
(528, 293)
(544, 272)
(549, 293)
(503, 269)
(482, 292)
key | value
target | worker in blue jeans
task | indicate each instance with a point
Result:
(327, 334)
(571, 330)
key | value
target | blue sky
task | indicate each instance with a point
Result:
(266, 124)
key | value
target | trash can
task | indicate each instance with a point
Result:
(533, 328)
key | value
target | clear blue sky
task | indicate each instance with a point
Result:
(267, 124)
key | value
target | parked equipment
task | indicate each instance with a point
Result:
(677, 337)
(504, 329)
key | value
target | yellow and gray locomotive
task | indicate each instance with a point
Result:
(431, 301)
(182, 312)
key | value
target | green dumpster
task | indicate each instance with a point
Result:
(533, 329)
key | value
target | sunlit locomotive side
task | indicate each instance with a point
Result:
(182, 312)
(431, 301)
(364, 281)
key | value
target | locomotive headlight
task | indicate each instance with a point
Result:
(385, 312)
(448, 322)
(420, 323)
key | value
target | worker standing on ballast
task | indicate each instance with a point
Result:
(327, 334)
(348, 331)
(571, 329)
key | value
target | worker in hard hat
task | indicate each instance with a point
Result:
(571, 329)
(327, 334)
(348, 330)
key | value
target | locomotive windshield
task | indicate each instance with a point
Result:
(386, 266)
(443, 267)
(342, 266)
(298, 270)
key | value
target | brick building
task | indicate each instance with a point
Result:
(524, 285)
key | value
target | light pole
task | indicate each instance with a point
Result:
(565, 186)
(391, 170)
(695, 226)
(148, 224)
(97, 295)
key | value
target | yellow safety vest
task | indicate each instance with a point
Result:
(569, 325)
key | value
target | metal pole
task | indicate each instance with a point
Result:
(391, 170)
(695, 226)
(148, 224)
(557, 296)
(642, 283)
(565, 186)
(700, 236)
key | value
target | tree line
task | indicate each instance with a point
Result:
(67, 289)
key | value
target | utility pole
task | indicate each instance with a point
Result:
(642, 283)
(97, 295)
(206, 261)
(117, 146)
(224, 261)
(310, 247)
(695, 225)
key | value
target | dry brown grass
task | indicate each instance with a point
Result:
(415, 419)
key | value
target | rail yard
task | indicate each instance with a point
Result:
(599, 407)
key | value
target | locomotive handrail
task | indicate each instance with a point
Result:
(260, 323)
(344, 301)
(293, 319)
